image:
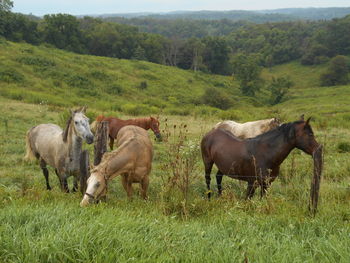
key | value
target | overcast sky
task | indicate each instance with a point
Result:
(79, 7)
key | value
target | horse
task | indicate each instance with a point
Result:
(254, 160)
(248, 129)
(60, 149)
(132, 160)
(115, 124)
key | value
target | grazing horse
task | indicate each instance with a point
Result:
(255, 160)
(248, 129)
(60, 149)
(115, 124)
(132, 160)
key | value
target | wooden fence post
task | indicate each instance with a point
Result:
(101, 140)
(316, 180)
(84, 170)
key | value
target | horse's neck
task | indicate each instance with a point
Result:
(143, 123)
(75, 144)
(278, 148)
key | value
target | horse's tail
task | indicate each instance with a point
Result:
(30, 155)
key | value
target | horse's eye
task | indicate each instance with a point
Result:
(76, 122)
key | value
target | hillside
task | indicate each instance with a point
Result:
(45, 75)
(257, 16)
(177, 223)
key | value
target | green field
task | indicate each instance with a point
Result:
(172, 226)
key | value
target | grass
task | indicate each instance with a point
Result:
(38, 84)
(49, 226)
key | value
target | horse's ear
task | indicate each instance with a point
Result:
(83, 109)
(302, 117)
(307, 121)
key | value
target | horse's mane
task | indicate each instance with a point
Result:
(100, 118)
(283, 129)
(65, 133)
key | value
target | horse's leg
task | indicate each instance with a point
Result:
(111, 142)
(144, 187)
(250, 190)
(219, 176)
(63, 181)
(75, 184)
(268, 180)
(127, 185)
(208, 166)
(125, 182)
(45, 172)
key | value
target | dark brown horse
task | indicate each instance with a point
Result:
(115, 124)
(256, 160)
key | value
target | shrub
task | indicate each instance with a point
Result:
(78, 81)
(114, 89)
(138, 109)
(343, 147)
(337, 73)
(99, 75)
(11, 75)
(36, 61)
(142, 85)
(216, 98)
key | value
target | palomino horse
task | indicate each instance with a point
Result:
(115, 124)
(255, 160)
(60, 149)
(132, 160)
(248, 129)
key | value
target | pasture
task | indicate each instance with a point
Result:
(177, 223)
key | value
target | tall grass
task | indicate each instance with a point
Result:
(176, 225)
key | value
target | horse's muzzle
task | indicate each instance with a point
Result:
(159, 136)
(89, 139)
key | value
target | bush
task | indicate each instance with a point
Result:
(11, 75)
(143, 85)
(99, 75)
(337, 73)
(216, 98)
(114, 89)
(343, 147)
(36, 61)
(78, 81)
(138, 109)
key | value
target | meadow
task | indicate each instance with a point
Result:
(177, 223)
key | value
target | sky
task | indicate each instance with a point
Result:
(84, 7)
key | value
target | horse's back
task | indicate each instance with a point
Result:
(45, 140)
(140, 144)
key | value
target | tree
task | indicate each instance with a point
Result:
(337, 73)
(216, 55)
(216, 98)
(279, 88)
(247, 71)
(62, 31)
(6, 5)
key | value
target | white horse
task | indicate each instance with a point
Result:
(60, 149)
(248, 129)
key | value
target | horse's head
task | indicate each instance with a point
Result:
(154, 125)
(304, 136)
(81, 125)
(96, 188)
(274, 122)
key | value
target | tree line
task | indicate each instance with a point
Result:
(241, 48)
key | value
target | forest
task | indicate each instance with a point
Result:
(211, 46)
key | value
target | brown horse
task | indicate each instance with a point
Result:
(116, 124)
(132, 160)
(254, 160)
